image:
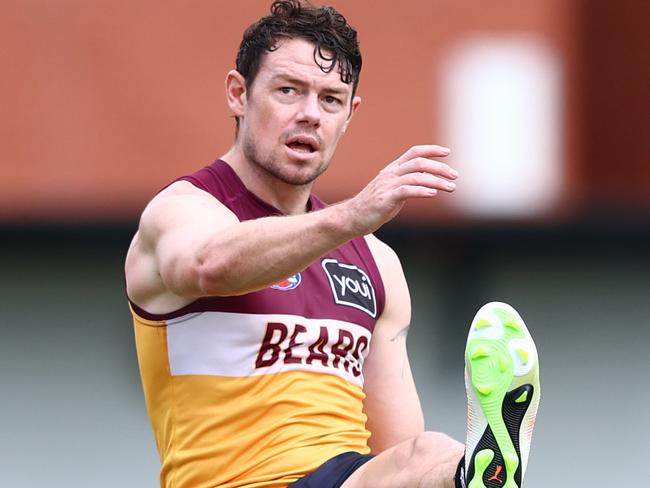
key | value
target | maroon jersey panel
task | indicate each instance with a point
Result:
(344, 284)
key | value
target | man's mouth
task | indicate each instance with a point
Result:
(301, 147)
(303, 144)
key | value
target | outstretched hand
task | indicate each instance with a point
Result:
(413, 175)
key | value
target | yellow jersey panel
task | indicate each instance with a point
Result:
(260, 422)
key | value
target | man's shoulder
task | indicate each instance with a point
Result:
(181, 204)
(180, 187)
(180, 190)
(385, 256)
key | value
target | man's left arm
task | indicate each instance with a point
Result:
(392, 404)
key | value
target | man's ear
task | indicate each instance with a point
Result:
(356, 101)
(236, 92)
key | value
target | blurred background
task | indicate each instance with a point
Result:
(545, 104)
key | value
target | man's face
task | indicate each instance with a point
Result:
(294, 114)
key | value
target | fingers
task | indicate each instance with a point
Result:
(425, 165)
(424, 151)
(406, 192)
(415, 174)
(426, 180)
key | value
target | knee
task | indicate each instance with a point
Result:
(430, 448)
(430, 459)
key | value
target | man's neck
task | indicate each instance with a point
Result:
(289, 199)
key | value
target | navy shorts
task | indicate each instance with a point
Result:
(334, 472)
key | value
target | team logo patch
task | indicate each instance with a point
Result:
(289, 284)
(351, 286)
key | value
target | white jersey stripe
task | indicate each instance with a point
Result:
(241, 345)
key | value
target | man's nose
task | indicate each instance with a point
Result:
(310, 110)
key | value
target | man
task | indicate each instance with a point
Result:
(270, 328)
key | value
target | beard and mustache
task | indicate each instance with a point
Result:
(272, 164)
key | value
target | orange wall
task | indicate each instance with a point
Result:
(104, 102)
(616, 48)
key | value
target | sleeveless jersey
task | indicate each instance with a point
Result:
(259, 390)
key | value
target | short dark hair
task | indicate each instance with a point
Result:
(334, 39)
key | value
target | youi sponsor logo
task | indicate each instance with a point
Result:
(351, 286)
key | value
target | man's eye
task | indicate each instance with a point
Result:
(287, 90)
(330, 100)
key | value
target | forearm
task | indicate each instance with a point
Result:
(258, 253)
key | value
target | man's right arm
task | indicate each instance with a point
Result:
(190, 245)
(194, 246)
